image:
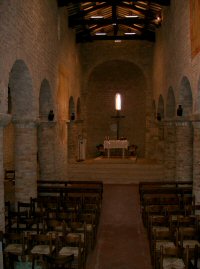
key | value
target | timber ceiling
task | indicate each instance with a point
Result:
(114, 19)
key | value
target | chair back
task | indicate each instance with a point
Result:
(170, 253)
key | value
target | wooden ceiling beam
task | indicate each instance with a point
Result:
(88, 38)
(130, 7)
(62, 3)
(83, 12)
(113, 22)
(77, 21)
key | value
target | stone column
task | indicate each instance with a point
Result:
(79, 135)
(160, 143)
(25, 160)
(46, 150)
(196, 162)
(169, 150)
(4, 120)
(75, 129)
(72, 141)
(184, 150)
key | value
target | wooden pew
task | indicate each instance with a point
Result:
(167, 187)
(69, 189)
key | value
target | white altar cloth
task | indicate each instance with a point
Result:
(116, 144)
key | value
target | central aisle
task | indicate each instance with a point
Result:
(122, 242)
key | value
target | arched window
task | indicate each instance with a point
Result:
(118, 101)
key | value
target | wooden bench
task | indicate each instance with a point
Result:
(168, 187)
(62, 188)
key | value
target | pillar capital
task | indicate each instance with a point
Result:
(182, 122)
(5, 119)
(195, 117)
(178, 121)
(169, 122)
(196, 121)
(47, 124)
(26, 122)
(196, 124)
(74, 122)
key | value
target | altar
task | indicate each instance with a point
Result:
(116, 144)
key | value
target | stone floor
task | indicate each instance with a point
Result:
(116, 170)
(122, 242)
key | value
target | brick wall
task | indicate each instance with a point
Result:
(8, 146)
(36, 34)
(173, 69)
(108, 68)
(172, 60)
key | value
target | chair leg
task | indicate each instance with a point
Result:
(33, 262)
(11, 262)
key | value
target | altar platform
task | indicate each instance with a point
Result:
(114, 159)
(116, 170)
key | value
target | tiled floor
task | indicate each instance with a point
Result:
(122, 242)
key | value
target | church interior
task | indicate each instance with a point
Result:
(100, 134)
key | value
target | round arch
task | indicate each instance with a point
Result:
(78, 108)
(185, 96)
(198, 97)
(154, 108)
(71, 108)
(107, 79)
(45, 100)
(21, 91)
(21, 104)
(170, 104)
(160, 108)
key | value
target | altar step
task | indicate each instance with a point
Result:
(116, 172)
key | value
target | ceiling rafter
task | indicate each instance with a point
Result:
(115, 19)
(62, 3)
(83, 12)
(102, 22)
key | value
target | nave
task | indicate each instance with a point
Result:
(122, 241)
(136, 228)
